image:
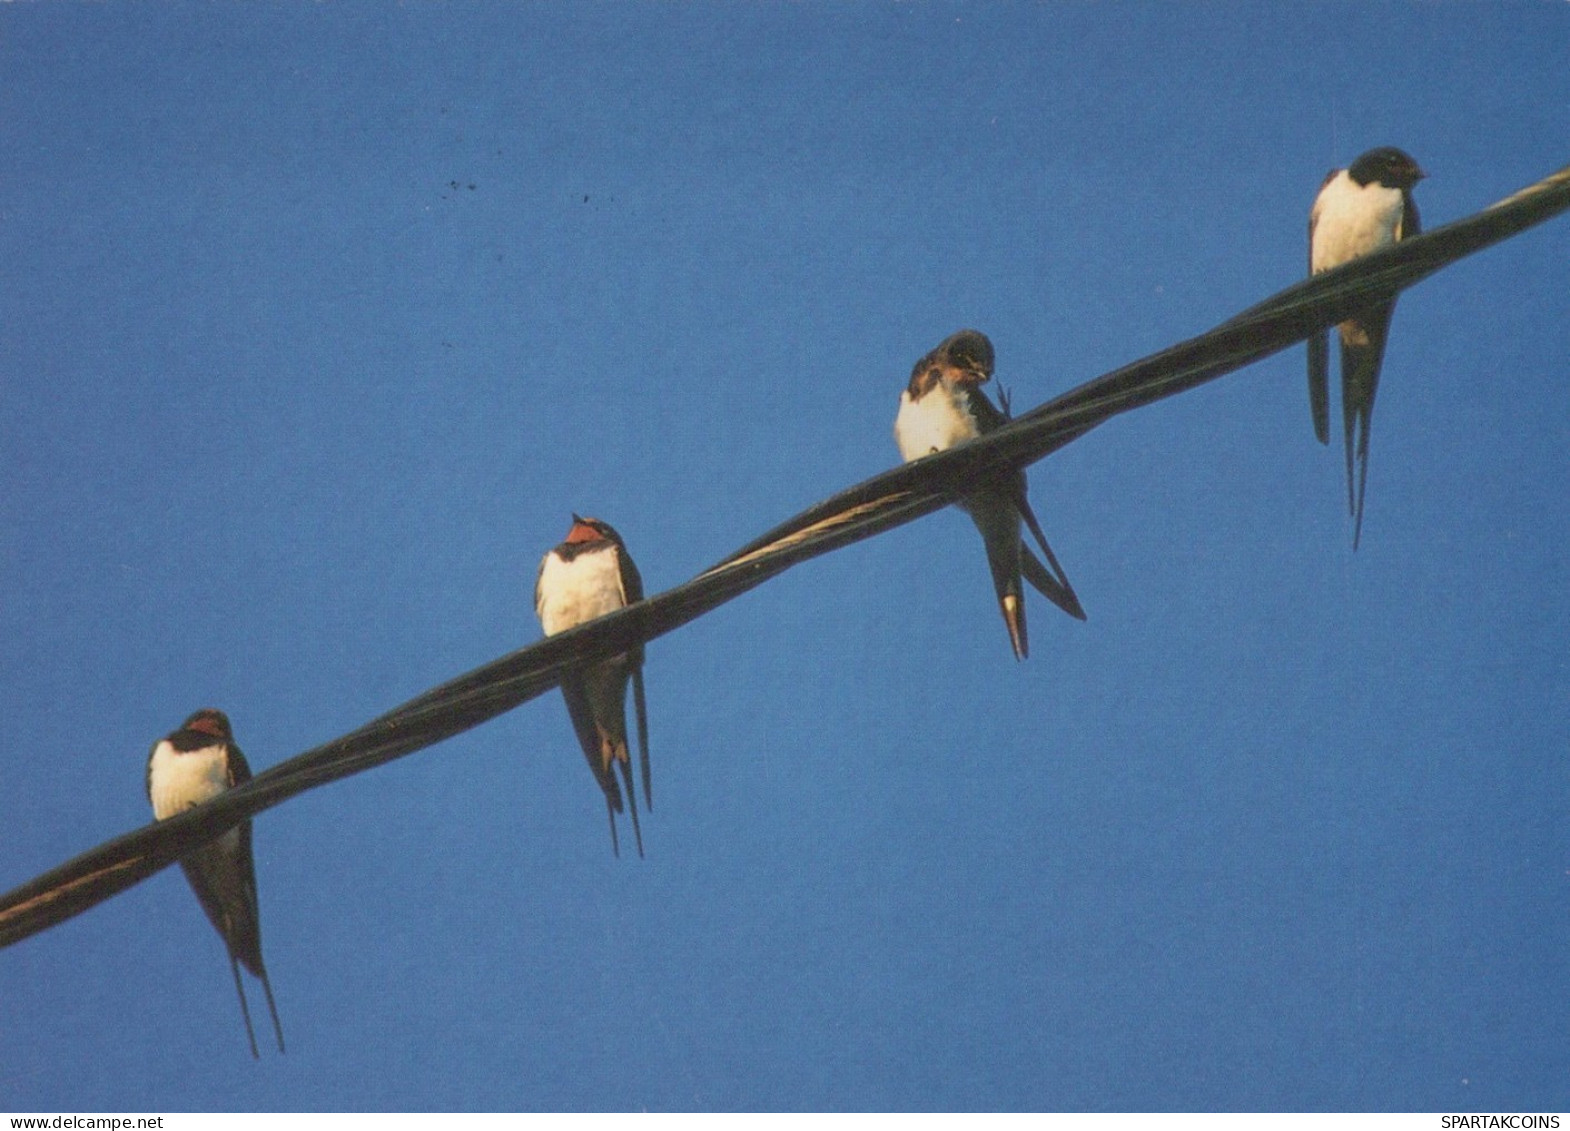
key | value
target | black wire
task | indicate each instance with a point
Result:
(890, 499)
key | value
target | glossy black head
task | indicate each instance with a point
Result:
(1388, 166)
(969, 351)
(213, 723)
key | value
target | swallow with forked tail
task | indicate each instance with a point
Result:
(1359, 209)
(943, 405)
(192, 765)
(588, 575)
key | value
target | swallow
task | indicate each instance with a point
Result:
(1359, 209)
(192, 765)
(588, 575)
(943, 405)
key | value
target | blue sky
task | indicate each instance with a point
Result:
(322, 319)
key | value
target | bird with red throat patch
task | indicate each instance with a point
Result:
(588, 575)
(943, 406)
(185, 768)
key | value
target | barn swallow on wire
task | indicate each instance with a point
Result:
(588, 575)
(192, 765)
(943, 406)
(1359, 210)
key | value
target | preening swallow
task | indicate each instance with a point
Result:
(192, 765)
(942, 406)
(1359, 209)
(588, 575)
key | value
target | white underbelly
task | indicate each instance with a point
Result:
(935, 423)
(571, 593)
(179, 781)
(1354, 222)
